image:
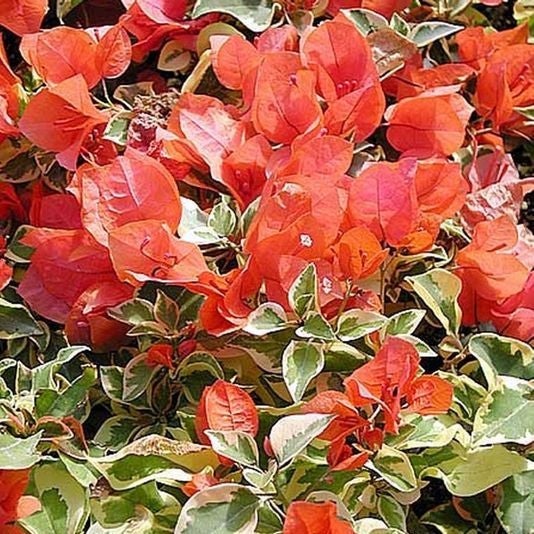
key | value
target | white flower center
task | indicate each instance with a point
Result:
(306, 240)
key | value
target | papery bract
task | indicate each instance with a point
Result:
(147, 250)
(210, 129)
(284, 104)
(487, 263)
(88, 322)
(231, 58)
(506, 83)
(425, 126)
(113, 52)
(61, 53)
(346, 77)
(314, 518)
(54, 210)
(225, 308)
(429, 395)
(359, 253)
(133, 188)
(160, 354)
(390, 377)
(440, 187)
(10, 205)
(243, 171)
(13, 504)
(383, 198)
(199, 482)
(225, 406)
(61, 256)
(60, 118)
(23, 16)
(475, 45)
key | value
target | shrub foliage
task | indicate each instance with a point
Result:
(265, 267)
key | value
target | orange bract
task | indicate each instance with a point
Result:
(61, 53)
(231, 59)
(133, 188)
(147, 250)
(13, 505)
(314, 518)
(284, 104)
(60, 118)
(425, 126)
(488, 265)
(22, 16)
(384, 199)
(224, 406)
(346, 77)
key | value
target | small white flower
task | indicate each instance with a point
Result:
(326, 285)
(306, 240)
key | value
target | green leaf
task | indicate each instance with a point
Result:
(116, 432)
(80, 470)
(221, 509)
(222, 219)
(316, 327)
(506, 414)
(355, 324)
(404, 322)
(154, 458)
(134, 312)
(238, 446)
(481, 469)
(117, 128)
(64, 502)
(301, 362)
(303, 292)
(137, 377)
(192, 217)
(133, 509)
(447, 521)
(391, 512)
(395, 468)
(197, 371)
(370, 525)
(256, 15)
(64, 7)
(261, 479)
(422, 348)
(18, 453)
(166, 311)
(269, 521)
(265, 352)
(499, 355)
(69, 401)
(43, 375)
(439, 289)
(468, 395)
(399, 24)
(365, 20)
(173, 57)
(268, 317)
(516, 507)
(16, 321)
(428, 32)
(290, 435)
(342, 357)
(527, 112)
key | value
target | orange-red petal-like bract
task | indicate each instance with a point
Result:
(68, 118)
(225, 406)
(314, 518)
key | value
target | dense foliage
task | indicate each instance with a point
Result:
(265, 267)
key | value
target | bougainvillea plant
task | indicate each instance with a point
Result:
(265, 267)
